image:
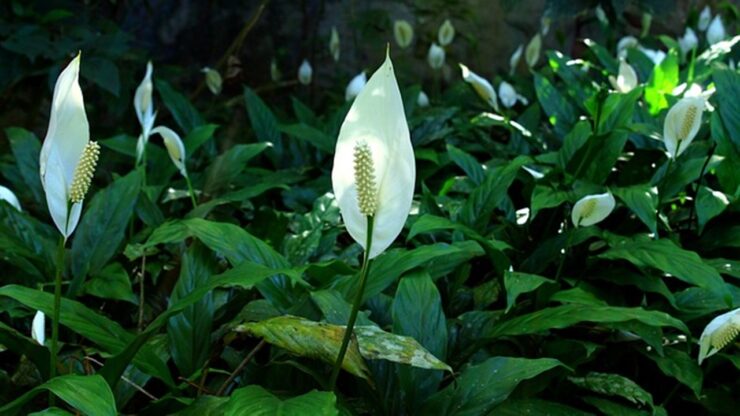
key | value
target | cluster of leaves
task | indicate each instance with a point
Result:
(489, 302)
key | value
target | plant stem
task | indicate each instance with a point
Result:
(240, 367)
(141, 293)
(190, 191)
(565, 254)
(698, 184)
(56, 312)
(356, 306)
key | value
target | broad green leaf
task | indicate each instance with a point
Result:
(467, 163)
(263, 121)
(612, 408)
(112, 282)
(485, 198)
(376, 344)
(595, 160)
(418, 313)
(481, 387)
(517, 283)
(227, 166)
(604, 56)
(88, 394)
(312, 135)
(559, 110)
(616, 111)
(643, 201)
(727, 82)
(184, 113)
(667, 257)
(726, 173)
(256, 401)
(573, 141)
(661, 83)
(26, 148)
(571, 314)
(336, 309)
(24, 239)
(532, 406)
(189, 333)
(22, 344)
(102, 228)
(709, 204)
(613, 385)
(544, 197)
(679, 365)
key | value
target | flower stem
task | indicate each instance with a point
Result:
(56, 312)
(568, 241)
(190, 191)
(356, 307)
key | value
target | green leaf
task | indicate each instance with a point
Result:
(517, 283)
(21, 344)
(573, 141)
(595, 160)
(227, 166)
(532, 406)
(666, 256)
(643, 201)
(112, 282)
(88, 394)
(709, 204)
(417, 313)
(613, 385)
(189, 332)
(102, 228)
(467, 163)
(544, 197)
(681, 366)
(263, 121)
(559, 110)
(617, 110)
(571, 314)
(184, 113)
(728, 90)
(661, 83)
(312, 135)
(481, 203)
(256, 401)
(26, 148)
(481, 387)
(103, 72)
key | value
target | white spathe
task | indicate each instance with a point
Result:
(682, 124)
(481, 86)
(66, 138)
(655, 55)
(436, 56)
(592, 209)
(626, 80)
(688, 41)
(38, 324)
(719, 333)
(716, 32)
(214, 82)
(532, 54)
(507, 94)
(515, 57)
(625, 44)
(355, 86)
(376, 119)
(144, 107)
(403, 32)
(422, 100)
(305, 72)
(8, 196)
(175, 147)
(704, 18)
(446, 33)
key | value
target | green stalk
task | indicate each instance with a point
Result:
(55, 316)
(190, 191)
(567, 251)
(356, 307)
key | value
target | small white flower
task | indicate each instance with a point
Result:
(704, 18)
(436, 56)
(38, 332)
(334, 44)
(507, 94)
(682, 124)
(422, 100)
(305, 72)
(625, 44)
(214, 81)
(175, 147)
(481, 86)
(626, 80)
(144, 106)
(532, 54)
(446, 33)
(515, 57)
(592, 209)
(716, 31)
(355, 86)
(655, 55)
(8, 196)
(688, 41)
(403, 32)
(601, 15)
(719, 333)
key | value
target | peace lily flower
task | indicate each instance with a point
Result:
(704, 18)
(38, 332)
(682, 124)
(515, 57)
(213, 80)
(532, 54)
(481, 86)
(601, 15)
(626, 80)
(144, 107)
(403, 32)
(436, 56)
(719, 333)
(688, 41)
(446, 33)
(355, 86)
(422, 100)
(68, 157)
(334, 44)
(507, 94)
(625, 44)
(305, 72)
(655, 55)
(374, 171)
(592, 209)
(174, 146)
(275, 74)
(716, 31)
(8, 196)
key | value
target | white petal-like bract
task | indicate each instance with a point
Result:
(481, 86)
(38, 324)
(532, 54)
(626, 80)
(704, 18)
(8, 196)
(355, 86)
(507, 94)
(436, 56)
(515, 57)
(422, 100)
(175, 147)
(625, 44)
(66, 138)
(719, 333)
(716, 32)
(403, 32)
(305, 72)
(688, 41)
(446, 33)
(592, 209)
(682, 124)
(376, 122)
(143, 103)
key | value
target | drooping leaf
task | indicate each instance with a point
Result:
(184, 113)
(256, 401)
(643, 201)
(88, 394)
(517, 283)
